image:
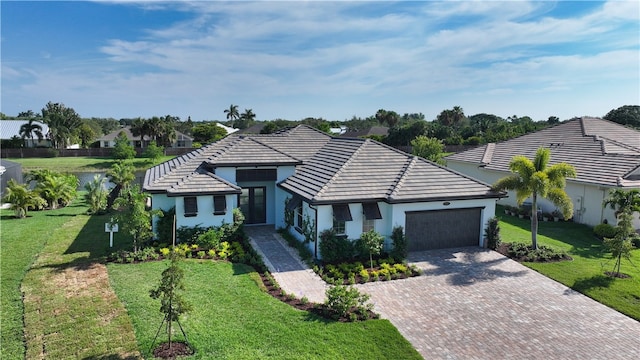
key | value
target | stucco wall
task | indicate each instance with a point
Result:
(205, 216)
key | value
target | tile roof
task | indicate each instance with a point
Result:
(202, 182)
(329, 169)
(602, 152)
(10, 128)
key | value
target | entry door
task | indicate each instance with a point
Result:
(253, 204)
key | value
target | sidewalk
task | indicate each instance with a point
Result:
(291, 273)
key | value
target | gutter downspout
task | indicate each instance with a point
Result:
(315, 231)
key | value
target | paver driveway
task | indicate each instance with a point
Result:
(473, 303)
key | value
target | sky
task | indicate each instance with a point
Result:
(332, 60)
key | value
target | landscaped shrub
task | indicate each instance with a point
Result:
(524, 252)
(190, 234)
(210, 239)
(399, 250)
(492, 233)
(335, 249)
(604, 231)
(344, 300)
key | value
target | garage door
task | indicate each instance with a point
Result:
(439, 229)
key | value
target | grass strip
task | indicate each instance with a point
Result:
(586, 273)
(22, 240)
(81, 163)
(70, 310)
(233, 319)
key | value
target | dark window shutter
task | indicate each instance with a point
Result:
(341, 212)
(190, 206)
(371, 211)
(219, 205)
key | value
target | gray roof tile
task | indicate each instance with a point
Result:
(600, 150)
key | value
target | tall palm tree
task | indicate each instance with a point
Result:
(623, 201)
(21, 198)
(29, 129)
(248, 115)
(140, 127)
(232, 113)
(536, 179)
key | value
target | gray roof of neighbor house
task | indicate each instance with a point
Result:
(329, 169)
(602, 152)
(11, 128)
(373, 130)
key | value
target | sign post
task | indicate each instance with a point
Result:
(110, 228)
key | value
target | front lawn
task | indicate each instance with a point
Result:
(586, 273)
(81, 163)
(233, 319)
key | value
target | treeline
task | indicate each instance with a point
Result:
(451, 126)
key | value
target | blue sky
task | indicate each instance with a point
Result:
(297, 59)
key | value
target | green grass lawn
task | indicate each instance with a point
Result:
(81, 163)
(590, 261)
(22, 240)
(233, 319)
(58, 302)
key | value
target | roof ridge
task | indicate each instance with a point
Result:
(488, 153)
(342, 167)
(395, 188)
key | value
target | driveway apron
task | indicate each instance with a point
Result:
(473, 303)
(291, 273)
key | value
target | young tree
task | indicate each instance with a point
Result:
(21, 198)
(622, 243)
(122, 174)
(132, 215)
(372, 241)
(172, 304)
(122, 150)
(153, 152)
(535, 178)
(428, 148)
(623, 201)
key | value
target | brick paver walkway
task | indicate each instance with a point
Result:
(285, 265)
(473, 303)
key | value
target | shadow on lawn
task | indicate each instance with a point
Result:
(93, 239)
(463, 265)
(596, 281)
(112, 357)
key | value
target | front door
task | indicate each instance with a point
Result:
(253, 204)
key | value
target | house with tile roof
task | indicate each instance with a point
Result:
(606, 156)
(349, 185)
(11, 128)
(109, 140)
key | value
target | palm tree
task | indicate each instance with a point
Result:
(21, 198)
(232, 113)
(248, 115)
(622, 201)
(122, 174)
(535, 179)
(96, 195)
(29, 129)
(57, 189)
(140, 127)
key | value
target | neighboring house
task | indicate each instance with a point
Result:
(372, 131)
(11, 128)
(109, 140)
(605, 155)
(9, 170)
(350, 185)
(256, 128)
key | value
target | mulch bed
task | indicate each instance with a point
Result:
(315, 308)
(177, 348)
(617, 275)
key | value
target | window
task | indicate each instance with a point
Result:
(190, 206)
(181, 143)
(368, 225)
(299, 218)
(341, 215)
(256, 175)
(219, 205)
(371, 211)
